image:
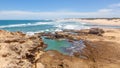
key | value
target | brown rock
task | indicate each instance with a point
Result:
(39, 65)
(96, 31)
(18, 50)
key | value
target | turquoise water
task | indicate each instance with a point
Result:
(58, 45)
(63, 46)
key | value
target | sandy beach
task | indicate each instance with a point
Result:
(103, 21)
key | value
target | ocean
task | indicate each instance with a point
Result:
(33, 26)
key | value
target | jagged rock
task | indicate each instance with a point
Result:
(18, 50)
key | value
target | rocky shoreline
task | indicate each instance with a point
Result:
(94, 48)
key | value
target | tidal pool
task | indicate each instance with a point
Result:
(63, 46)
(57, 44)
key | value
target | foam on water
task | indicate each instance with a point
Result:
(31, 27)
(47, 30)
(54, 25)
(77, 46)
(68, 24)
(25, 25)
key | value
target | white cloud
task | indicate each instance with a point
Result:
(115, 5)
(106, 12)
(43, 15)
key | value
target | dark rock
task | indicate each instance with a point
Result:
(57, 36)
(45, 46)
(10, 41)
(96, 31)
(76, 54)
(32, 37)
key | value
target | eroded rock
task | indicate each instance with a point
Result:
(18, 50)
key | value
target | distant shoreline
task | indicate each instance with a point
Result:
(99, 21)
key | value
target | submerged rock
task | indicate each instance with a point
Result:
(76, 47)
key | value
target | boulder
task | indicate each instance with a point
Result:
(96, 31)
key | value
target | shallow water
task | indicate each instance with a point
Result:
(58, 45)
(77, 46)
(63, 46)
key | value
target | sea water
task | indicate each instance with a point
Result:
(33, 26)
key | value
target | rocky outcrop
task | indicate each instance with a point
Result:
(73, 34)
(18, 50)
(88, 50)
(54, 59)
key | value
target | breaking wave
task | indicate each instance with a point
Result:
(46, 30)
(36, 27)
(25, 24)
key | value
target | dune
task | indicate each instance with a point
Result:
(102, 21)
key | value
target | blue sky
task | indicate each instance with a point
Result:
(38, 9)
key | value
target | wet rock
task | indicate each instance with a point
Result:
(76, 54)
(45, 46)
(57, 36)
(96, 31)
(76, 48)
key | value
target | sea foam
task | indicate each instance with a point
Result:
(25, 24)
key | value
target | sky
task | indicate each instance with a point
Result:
(55, 9)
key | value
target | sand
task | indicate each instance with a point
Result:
(112, 35)
(102, 21)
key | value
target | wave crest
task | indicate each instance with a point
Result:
(25, 25)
